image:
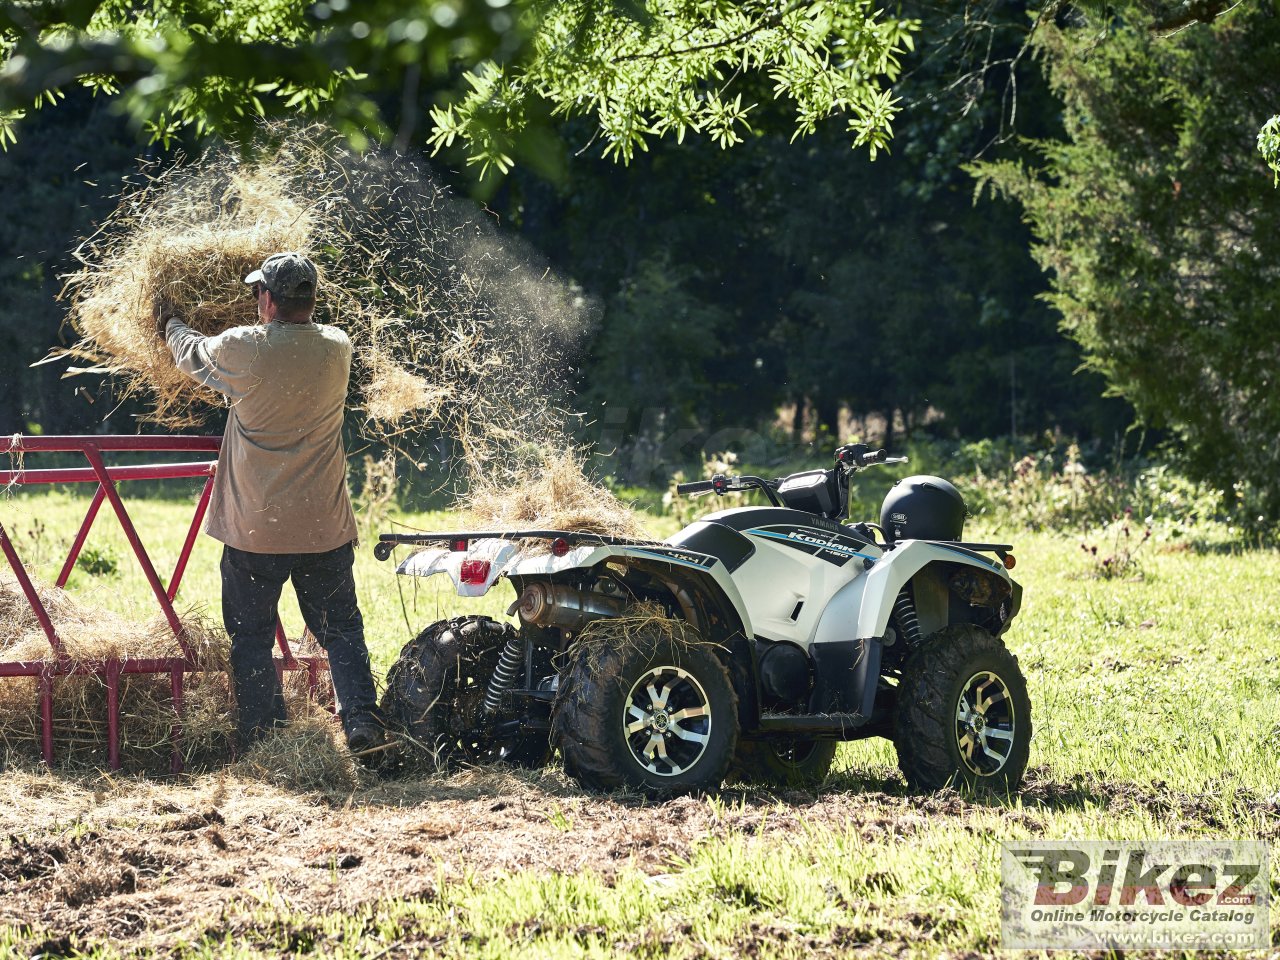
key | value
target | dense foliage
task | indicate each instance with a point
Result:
(735, 282)
(1160, 226)
(491, 73)
(54, 185)
(790, 273)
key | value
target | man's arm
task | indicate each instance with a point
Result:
(210, 361)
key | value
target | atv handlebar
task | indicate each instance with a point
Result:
(859, 455)
(720, 485)
(696, 486)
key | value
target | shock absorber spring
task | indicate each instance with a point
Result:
(904, 611)
(504, 675)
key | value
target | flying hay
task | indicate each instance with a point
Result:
(550, 491)
(190, 245)
(459, 332)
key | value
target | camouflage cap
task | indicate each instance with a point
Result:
(287, 275)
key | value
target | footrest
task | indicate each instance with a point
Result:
(810, 724)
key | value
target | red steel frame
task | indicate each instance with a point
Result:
(111, 669)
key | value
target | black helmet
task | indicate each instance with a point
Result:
(923, 508)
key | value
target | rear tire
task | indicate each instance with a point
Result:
(653, 714)
(435, 695)
(785, 763)
(963, 718)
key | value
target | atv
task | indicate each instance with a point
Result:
(749, 644)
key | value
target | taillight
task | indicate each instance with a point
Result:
(474, 572)
(559, 547)
(459, 545)
(1009, 561)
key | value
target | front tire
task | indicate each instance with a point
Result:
(654, 713)
(963, 717)
(435, 695)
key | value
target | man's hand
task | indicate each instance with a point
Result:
(162, 313)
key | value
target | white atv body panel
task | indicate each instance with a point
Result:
(802, 584)
(886, 579)
(787, 589)
(427, 563)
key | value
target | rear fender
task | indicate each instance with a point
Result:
(701, 577)
(899, 567)
(507, 558)
(709, 599)
(428, 563)
(686, 571)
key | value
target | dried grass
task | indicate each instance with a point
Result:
(552, 493)
(191, 242)
(306, 755)
(642, 626)
(146, 705)
(461, 334)
(458, 332)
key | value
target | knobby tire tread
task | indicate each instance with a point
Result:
(925, 712)
(583, 715)
(422, 693)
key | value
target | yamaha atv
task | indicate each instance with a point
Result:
(749, 644)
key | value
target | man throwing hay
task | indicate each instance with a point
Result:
(280, 504)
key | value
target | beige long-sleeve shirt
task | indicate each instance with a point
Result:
(281, 483)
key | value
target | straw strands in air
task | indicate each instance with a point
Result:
(459, 332)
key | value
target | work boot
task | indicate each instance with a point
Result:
(365, 734)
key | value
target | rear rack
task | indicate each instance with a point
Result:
(999, 549)
(389, 541)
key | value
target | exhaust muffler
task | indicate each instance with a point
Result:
(558, 605)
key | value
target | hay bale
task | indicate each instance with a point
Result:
(146, 704)
(93, 633)
(192, 243)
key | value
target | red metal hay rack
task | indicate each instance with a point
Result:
(111, 669)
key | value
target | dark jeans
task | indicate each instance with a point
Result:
(251, 585)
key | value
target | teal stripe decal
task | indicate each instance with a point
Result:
(835, 547)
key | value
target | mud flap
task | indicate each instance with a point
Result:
(845, 674)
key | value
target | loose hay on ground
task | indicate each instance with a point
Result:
(306, 755)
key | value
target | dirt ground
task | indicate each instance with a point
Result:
(146, 860)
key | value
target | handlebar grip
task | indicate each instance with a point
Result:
(695, 486)
(876, 456)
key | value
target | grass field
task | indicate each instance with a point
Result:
(1156, 704)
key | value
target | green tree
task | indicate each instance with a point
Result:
(492, 73)
(1157, 222)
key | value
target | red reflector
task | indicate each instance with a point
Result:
(559, 546)
(474, 571)
(458, 545)
(1009, 561)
